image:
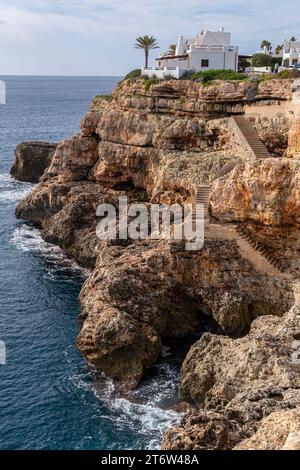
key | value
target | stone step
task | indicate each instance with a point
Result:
(250, 135)
(257, 246)
(202, 197)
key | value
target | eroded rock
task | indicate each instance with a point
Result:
(31, 160)
(264, 191)
(278, 431)
(158, 145)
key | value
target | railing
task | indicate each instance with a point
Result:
(161, 72)
(213, 48)
(151, 69)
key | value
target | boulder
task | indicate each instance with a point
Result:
(31, 160)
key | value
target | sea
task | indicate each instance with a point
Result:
(50, 398)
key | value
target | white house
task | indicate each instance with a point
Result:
(291, 54)
(209, 50)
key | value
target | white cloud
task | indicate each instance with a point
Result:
(104, 30)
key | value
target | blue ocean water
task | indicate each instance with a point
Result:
(49, 398)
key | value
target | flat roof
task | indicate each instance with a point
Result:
(170, 57)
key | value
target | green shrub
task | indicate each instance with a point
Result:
(149, 82)
(188, 75)
(104, 97)
(265, 78)
(211, 75)
(286, 74)
(262, 60)
(276, 60)
(136, 73)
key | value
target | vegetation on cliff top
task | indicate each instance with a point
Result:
(133, 75)
(211, 75)
(208, 77)
(265, 60)
(149, 82)
(104, 97)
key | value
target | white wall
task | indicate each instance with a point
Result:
(212, 46)
(217, 60)
(218, 38)
(291, 53)
(262, 69)
(181, 63)
(175, 72)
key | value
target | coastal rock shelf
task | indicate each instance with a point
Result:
(158, 143)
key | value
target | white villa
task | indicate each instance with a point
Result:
(209, 50)
(291, 54)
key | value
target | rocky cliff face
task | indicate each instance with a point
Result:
(31, 160)
(158, 144)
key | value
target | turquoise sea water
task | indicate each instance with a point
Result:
(49, 398)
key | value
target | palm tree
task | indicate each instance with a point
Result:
(278, 49)
(293, 39)
(147, 43)
(172, 49)
(266, 45)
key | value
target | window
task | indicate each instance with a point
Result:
(204, 63)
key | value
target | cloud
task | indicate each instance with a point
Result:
(104, 30)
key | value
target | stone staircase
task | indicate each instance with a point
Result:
(248, 133)
(249, 248)
(256, 245)
(202, 197)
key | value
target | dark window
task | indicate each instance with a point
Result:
(204, 63)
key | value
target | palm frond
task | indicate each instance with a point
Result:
(146, 42)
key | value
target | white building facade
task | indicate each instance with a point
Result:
(291, 54)
(209, 50)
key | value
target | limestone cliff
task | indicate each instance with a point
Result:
(31, 160)
(159, 143)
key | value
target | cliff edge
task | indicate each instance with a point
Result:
(159, 143)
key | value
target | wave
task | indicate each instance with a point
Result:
(147, 411)
(147, 408)
(12, 190)
(28, 239)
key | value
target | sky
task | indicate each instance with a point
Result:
(95, 37)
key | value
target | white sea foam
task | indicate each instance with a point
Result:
(144, 410)
(143, 413)
(12, 190)
(28, 239)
